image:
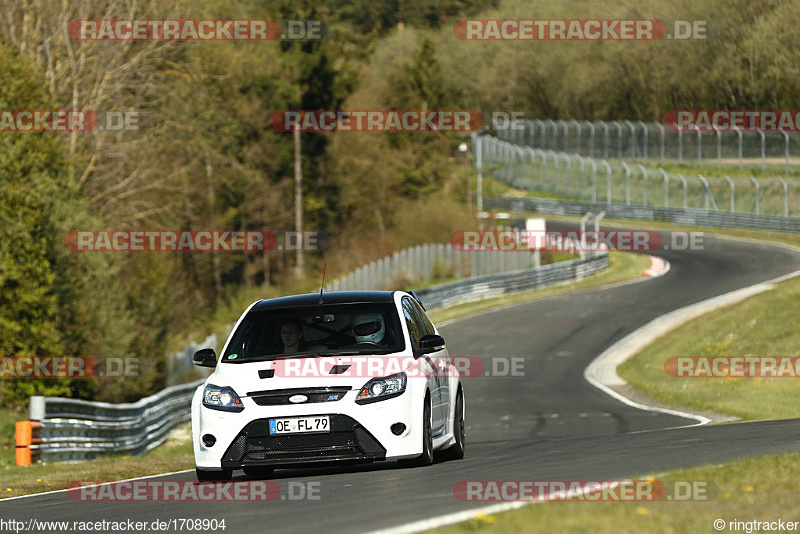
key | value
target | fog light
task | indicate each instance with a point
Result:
(209, 440)
(398, 428)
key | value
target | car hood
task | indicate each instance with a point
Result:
(352, 372)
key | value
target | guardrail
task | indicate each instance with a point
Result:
(689, 216)
(483, 287)
(62, 429)
(424, 262)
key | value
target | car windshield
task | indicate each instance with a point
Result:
(352, 329)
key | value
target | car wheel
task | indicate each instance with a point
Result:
(426, 458)
(259, 472)
(456, 452)
(212, 476)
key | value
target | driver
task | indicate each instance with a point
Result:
(369, 328)
(292, 336)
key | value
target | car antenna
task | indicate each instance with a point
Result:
(322, 286)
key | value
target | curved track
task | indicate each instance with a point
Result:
(549, 424)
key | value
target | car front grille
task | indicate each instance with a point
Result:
(347, 440)
(279, 397)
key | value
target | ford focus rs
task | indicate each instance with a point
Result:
(343, 377)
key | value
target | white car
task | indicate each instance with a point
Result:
(351, 376)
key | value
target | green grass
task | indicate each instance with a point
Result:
(763, 325)
(7, 420)
(623, 266)
(174, 455)
(762, 489)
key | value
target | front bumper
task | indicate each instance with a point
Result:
(359, 433)
(347, 441)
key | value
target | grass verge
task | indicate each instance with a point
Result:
(623, 266)
(753, 489)
(174, 455)
(763, 325)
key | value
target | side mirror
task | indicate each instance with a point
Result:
(430, 343)
(205, 358)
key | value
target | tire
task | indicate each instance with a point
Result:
(426, 458)
(213, 476)
(456, 452)
(259, 472)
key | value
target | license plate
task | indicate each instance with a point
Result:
(299, 425)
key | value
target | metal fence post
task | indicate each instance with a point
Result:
(630, 125)
(733, 193)
(739, 133)
(644, 183)
(591, 138)
(568, 161)
(577, 137)
(786, 137)
(707, 192)
(608, 180)
(555, 133)
(666, 186)
(582, 170)
(685, 191)
(627, 183)
(644, 145)
(478, 144)
(785, 195)
(758, 190)
(583, 234)
(699, 145)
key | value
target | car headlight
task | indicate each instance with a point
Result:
(379, 389)
(222, 398)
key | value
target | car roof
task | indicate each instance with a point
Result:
(328, 297)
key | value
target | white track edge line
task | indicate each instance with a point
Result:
(6, 499)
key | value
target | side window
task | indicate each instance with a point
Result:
(415, 327)
(426, 322)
